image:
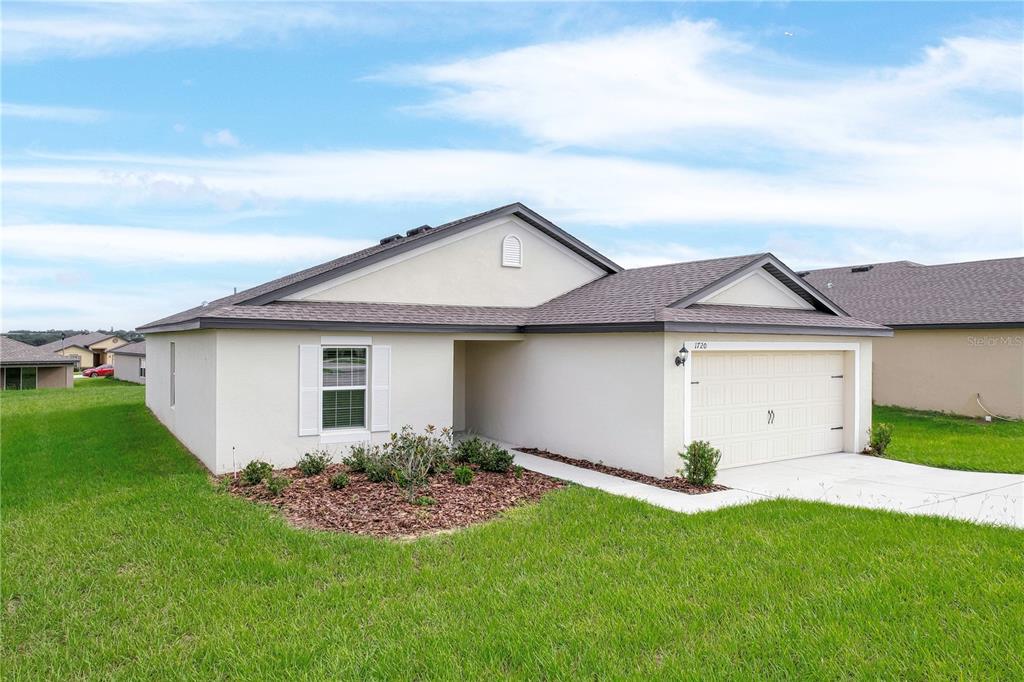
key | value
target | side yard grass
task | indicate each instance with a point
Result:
(952, 442)
(121, 561)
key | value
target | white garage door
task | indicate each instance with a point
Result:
(761, 407)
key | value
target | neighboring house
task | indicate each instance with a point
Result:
(90, 350)
(24, 367)
(129, 362)
(503, 324)
(959, 331)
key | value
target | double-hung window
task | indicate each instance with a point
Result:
(343, 400)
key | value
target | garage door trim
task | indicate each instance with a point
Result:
(699, 345)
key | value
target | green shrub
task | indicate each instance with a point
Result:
(424, 501)
(339, 481)
(357, 458)
(277, 484)
(414, 457)
(314, 462)
(700, 462)
(256, 471)
(487, 456)
(463, 475)
(879, 438)
(518, 471)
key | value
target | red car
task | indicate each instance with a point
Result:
(101, 371)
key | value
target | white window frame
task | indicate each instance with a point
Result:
(365, 428)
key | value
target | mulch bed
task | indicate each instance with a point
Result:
(381, 509)
(676, 483)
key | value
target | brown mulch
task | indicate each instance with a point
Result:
(381, 509)
(676, 483)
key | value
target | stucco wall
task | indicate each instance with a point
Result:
(466, 269)
(126, 367)
(193, 418)
(55, 377)
(591, 396)
(258, 382)
(84, 354)
(945, 369)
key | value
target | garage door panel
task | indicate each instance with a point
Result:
(759, 407)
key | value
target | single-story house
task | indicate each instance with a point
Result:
(24, 367)
(89, 350)
(958, 344)
(129, 362)
(505, 325)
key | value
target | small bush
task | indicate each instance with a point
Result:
(700, 462)
(277, 484)
(424, 501)
(518, 471)
(357, 458)
(487, 456)
(339, 481)
(463, 475)
(314, 462)
(256, 472)
(879, 438)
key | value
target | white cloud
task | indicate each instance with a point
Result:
(221, 138)
(51, 113)
(132, 246)
(947, 192)
(99, 28)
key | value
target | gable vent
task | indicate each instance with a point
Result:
(511, 252)
(862, 268)
(392, 238)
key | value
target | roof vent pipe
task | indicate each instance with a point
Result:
(392, 238)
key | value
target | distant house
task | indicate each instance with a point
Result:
(959, 331)
(129, 362)
(24, 367)
(90, 350)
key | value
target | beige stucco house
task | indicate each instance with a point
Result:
(958, 344)
(25, 367)
(129, 361)
(88, 350)
(505, 325)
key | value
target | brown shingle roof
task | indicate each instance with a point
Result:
(989, 292)
(134, 348)
(80, 340)
(17, 353)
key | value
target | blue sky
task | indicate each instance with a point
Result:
(158, 154)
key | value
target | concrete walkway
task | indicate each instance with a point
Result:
(842, 478)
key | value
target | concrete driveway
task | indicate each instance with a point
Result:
(863, 481)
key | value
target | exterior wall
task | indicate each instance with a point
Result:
(127, 367)
(857, 398)
(258, 391)
(55, 377)
(103, 347)
(758, 289)
(946, 369)
(193, 417)
(466, 269)
(590, 396)
(459, 387)
(84, 354)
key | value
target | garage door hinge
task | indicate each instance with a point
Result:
(837, 376)
(837, 428)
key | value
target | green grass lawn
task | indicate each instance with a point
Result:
(951, 442)
(120, 560)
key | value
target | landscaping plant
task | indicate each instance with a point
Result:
(339, 481)
(487, 456)
(700, 462)
(416, 456)
(463, 475)
(277, 484)
(314, 462)
(879, 437)
(256, 472)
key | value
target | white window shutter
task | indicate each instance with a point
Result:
(380, 404)
(511, 251)
(309, 390)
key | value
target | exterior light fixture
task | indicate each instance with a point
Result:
(681, 356)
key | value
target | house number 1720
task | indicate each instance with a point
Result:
(700, 345)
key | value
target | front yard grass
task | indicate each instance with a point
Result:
(120, 560)
(952, 442)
